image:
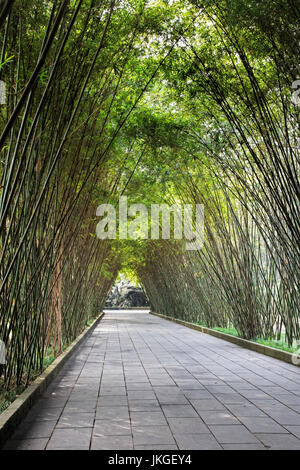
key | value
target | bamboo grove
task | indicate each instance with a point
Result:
(164, 102)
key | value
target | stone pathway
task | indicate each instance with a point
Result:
(141, 382)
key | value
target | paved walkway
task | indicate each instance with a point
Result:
(140, 382)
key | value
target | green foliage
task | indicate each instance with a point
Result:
(228, 331)
(6, 60)
(163, 102)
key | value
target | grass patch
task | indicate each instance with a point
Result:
(278, 344)
(272, 343)
(229, 331)
(90, 322)
(48, 360)
(8, 396)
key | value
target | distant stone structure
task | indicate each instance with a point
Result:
(124, 294)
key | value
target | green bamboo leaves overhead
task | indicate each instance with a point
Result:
(70, 90)
(163, 102)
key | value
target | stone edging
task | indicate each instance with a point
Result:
(260, 348)
(15, 413)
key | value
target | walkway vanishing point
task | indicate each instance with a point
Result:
(141, 382)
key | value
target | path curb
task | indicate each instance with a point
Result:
(16, 412)
(260, 348)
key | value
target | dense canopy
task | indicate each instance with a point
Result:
(162, 101)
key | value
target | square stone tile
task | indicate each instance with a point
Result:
(144, 405)
(289, 399)
(177, 411)
(232, 434)
(222, 388)
(53, 402)
(241, 386)
(208, 405)
(80, 396)
(115, 391)
(84, 406)
(273, 390)
(243, 447)
(231, 398)
(139, 386)
(141, 395)
(33, 430)
(156, 447)
(190, 385)
(162, 381)
(86, 388)
(285, 418)
(294, 430)
(58, 391)
(43, 414)
(280, 441)
(198, 394)
(70, 439)
(76, 420)
(262, 425)
(197, 442)
(107, 427)
(112, 443)
(245, 410)
(90, 372)
(187, 425)
(167, 390)
(172, 399)
(218, 417)
(112, 401)
(134, 380)
(152, 435)
(256, 394)
(88, 380)
(116, 412)
(145, 418)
